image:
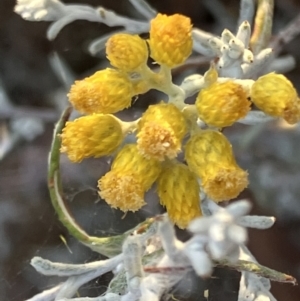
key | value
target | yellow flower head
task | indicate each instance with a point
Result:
(222, 183)
(275, 95)
(130, 177)
(122, 190)
(140, 86)
(91, 136)
(126, 52)
(130, 159)
(106, 91)
(209, 155)
(178, 190)
(222, 104)
(170, 39)
(160, 131)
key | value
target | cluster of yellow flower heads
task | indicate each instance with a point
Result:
(167, 128)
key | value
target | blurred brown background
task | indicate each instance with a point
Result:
(31, 99)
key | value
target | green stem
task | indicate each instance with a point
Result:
(258, 269)
(108, 246)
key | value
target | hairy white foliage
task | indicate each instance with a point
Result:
(40, 10)
(216, 236)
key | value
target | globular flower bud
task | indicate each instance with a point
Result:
(209, 155)
(222, 104)
(130, 159)
(106, 91)
(160, 131)
(178, 190)
(130, 177)
(95, 135)
(275, 95)
(140, 86)
(170, 39)
(126, 52)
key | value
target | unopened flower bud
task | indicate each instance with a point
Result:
(222, 104)
(209, 155)
(130, 177)
(178, 190)
(130, 159)
(126, 52)
(275, 95)
(106, 91)
(95, 135)
(170, 39)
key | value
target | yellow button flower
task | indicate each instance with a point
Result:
(275, 95)
(160, 131)
(130, 159)
(222, 104)
(95, 135)
(126, 52)
(130, 177)
(122, 190)
(140, 86)
(178, 190)
(170, 39)
(106, 91)
(209, 154)
(222, 183)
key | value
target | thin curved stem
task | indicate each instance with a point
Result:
(108, 246)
